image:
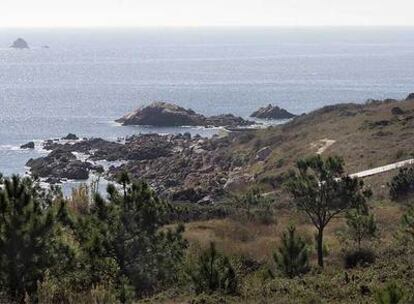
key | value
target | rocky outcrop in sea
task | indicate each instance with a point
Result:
(165, 114)
(60, 164)
(272, 112)
(20, 44)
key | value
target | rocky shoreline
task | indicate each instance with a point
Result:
(179, 167)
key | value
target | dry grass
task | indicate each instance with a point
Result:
(259, 241)
(356, 129)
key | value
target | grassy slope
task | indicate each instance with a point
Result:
(364, 145)
(358, 140)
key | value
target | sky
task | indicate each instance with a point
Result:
(180, 13)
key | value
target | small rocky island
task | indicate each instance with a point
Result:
(29, 145)
(20, 44)
(272, 112)
(163, 114)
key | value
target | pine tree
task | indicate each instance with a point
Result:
(28, 221)
(213, 272)
(126, 229)
(292, 258)
(361, 225)
(321, 190)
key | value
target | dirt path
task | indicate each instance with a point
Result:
(383, 169)
(374, 171)
(322, 145)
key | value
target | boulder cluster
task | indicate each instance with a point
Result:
(179, 167)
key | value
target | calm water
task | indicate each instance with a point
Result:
(88, 78)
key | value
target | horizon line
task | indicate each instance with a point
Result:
(205, 26)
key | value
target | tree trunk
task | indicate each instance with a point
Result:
(320, 247)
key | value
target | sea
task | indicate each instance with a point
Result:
(81, 80)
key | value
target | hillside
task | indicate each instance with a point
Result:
(366, 136)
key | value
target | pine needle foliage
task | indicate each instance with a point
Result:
(292, 258)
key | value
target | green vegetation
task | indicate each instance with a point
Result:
(322, 192)
(361, 225)
(292, 258)
(391, 294)
(129, 246)
(402, 184)
(213, 272)
(115, 248)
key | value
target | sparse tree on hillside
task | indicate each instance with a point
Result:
(321, 190)
(361, 225)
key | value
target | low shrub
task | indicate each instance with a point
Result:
(362, 257)
(402, 184)
(391, 294)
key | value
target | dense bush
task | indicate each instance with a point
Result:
(254, 207)
(125, 231)
(94, 249)
(361, 257)
(30, 235)
(402, 184)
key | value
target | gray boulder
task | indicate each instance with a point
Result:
(410, 97)
(397, 111)
(60, 164)
(238, 183)
(70, 136)
(263, 153)
(29, 145)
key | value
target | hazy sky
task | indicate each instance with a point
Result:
(89, 13)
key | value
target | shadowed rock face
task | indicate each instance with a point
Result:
(164, 114)
(410, 97)
(60, 164)
(272, 112)
(29, 145)
(20, 44)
